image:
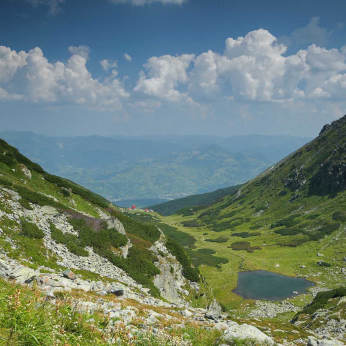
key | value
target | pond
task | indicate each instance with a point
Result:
(264, 285)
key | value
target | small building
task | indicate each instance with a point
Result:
(133, 207)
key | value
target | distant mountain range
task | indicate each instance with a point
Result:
(151, 167)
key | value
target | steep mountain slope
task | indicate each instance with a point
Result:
(289, 220)
(57, 223)
(184, 204)
(154, 167)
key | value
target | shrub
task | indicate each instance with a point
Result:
(294, 243)
(65, 193)
(321, 300)
(146, 231)
(287, 222)
(288, 231)
(5, 182)
(139, 263)
(31, 230)
(206, 256)
(37, 198)
(177, 250)
(25, 204)
(222, 239)
(192, 223)
(244, 245)
(246, 234)
(323, 264)
(339, 216)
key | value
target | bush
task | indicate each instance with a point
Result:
(206, 256)
(246, 234)
(37, 198)
(288, 231)
(30, 230)
(244, 245)
(323, 264)
(294, 243)
(71, 241)
(177, 250)
(5, 182)
(139, 263)
(65, 193)
(339, 216)
(321, 300)
(25, 204)
(146, 231)
(192, 223)
(222, 239)
(287, 222)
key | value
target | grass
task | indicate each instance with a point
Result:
(27, 318)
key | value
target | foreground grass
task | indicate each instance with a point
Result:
(27, 318)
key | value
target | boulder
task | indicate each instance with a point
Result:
(117, 292)
(69, 274)
(214, 311)
(245, 331)
(324, 342)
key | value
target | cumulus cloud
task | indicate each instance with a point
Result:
(255, 68)
(83, 51)
(108, 64)
(164, 74)
(312, 33)
(31, 77)
(148, 106)
(127, 57)
(54, 6)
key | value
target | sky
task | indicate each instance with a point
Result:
(183, 67)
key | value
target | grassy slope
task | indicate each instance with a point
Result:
(205, 199)
(291, 187)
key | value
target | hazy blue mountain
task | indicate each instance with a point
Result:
(150, 167)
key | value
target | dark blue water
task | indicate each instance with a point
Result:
(263, 285)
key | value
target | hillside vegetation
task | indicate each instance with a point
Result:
(289, 220)
(184, 204)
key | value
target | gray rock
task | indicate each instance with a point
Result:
(117, 292)
(69, 274)
(246, 331)
(315, 342)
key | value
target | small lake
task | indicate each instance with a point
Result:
(263, 285)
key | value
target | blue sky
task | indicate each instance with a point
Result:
(63, 69)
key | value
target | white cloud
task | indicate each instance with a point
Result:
(148, 106)
(83, 51)
(255, 68)
(54, 6)
(108, 64)
(31, 77)
(144, 2)
(165, 73)
(312, 33)
(127, 57)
